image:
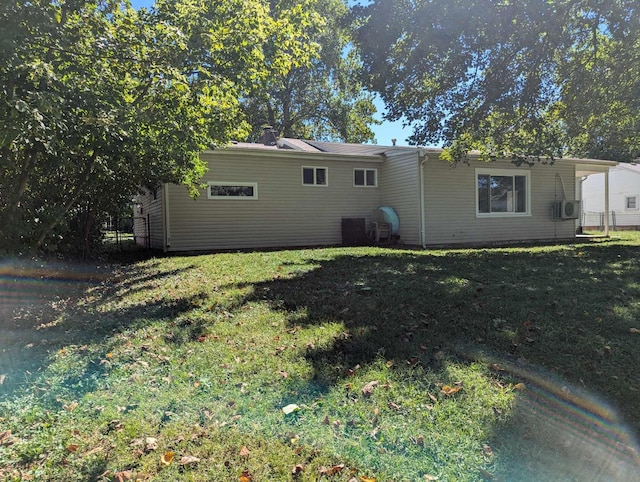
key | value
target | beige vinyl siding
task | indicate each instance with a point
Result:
(156, 221)
(286, 213)
(148, 220)
(400, 183)
(451, 205)
(140, 218)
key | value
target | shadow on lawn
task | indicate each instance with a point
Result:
(47, 308)
(568, 311)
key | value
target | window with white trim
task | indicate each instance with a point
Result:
(502, 192)
(315, 176)
(631, 202)
(232, 190)
(365, 177)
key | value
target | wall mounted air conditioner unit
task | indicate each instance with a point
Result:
(566, 209)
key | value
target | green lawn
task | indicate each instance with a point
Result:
(488, 364)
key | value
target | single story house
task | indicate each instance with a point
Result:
(291, 192)
(623, 194)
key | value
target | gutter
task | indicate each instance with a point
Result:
(292, 155)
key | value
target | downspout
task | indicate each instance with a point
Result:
(606, 202)
(167, 218)
(422, 158)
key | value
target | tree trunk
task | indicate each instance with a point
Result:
(82, 179)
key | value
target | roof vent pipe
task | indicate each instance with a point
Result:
(393, 141)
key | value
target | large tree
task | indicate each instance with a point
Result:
(529, 79)
(323, 99)
(98, 99)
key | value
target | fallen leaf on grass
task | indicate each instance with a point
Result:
(367, 390)
(244, 451)
(71, 407)
(631, 330)
(246, 476)
(5, 438)
(72, 447)
(519, 386)
(447, 390)
(430, 477)
(364, 478)
(297, 470)
(167, 458)
(93, 451)
(289, 409)
(122, 476)
(150, 444)
(3, 377)
(333, 470)
(188, 460)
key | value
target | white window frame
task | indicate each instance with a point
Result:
(315, 176)
(254, 185)
(635, 202)
(503, 172)
(365, 170)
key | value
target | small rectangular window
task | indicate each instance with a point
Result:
(365, 177)
(232, 190)
(315, 176)
(631, 202)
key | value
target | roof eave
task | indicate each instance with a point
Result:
(291, 154)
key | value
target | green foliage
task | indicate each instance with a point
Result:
(99, 99)
(528, 80)
(321, 98)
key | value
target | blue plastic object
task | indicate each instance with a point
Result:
(389, 215)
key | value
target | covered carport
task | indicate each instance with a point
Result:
(587, 167)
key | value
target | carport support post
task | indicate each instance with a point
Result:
(606, 202)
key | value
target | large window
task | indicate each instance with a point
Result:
(365, 177)
(315, 176)
(232, 190)
(502, 192)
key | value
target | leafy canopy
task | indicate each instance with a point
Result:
(529, 79)
(324, 97)
(98, 99)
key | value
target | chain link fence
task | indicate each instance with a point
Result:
(595, 221)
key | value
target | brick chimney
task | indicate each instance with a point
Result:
(269, 136)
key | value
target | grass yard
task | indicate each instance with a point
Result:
(359, 364)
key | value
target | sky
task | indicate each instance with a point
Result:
(383, 133)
